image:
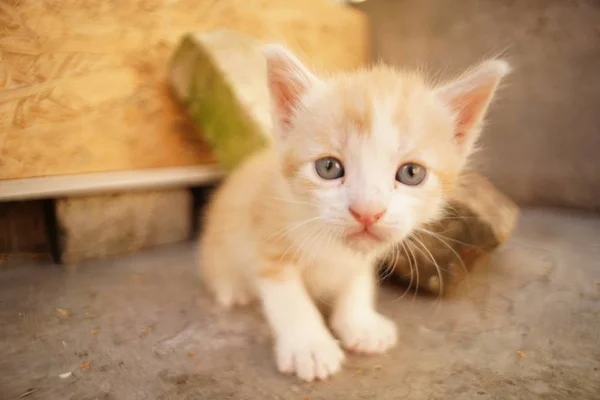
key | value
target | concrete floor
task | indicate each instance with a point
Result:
(141, 327)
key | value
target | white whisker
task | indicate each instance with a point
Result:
(437, 267)
(410, 268)
(295, 242)
(440, 238)
(416, 266)
(288, 229)
(291, 201)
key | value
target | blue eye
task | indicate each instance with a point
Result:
(411, 174)
(329, 168)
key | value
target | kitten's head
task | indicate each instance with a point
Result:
(376, 152)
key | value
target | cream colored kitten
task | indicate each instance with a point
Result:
(360, 161)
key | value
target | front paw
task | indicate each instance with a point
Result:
(310, 357)
(371, 333)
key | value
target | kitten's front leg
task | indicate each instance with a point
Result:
(360, 328)
(303, 345)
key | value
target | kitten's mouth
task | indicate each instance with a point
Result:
(365, 235)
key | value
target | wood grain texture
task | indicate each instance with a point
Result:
(83, 83)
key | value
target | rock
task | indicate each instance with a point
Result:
(478, 219)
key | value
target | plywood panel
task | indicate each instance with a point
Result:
(82, 83)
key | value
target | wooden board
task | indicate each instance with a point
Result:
(107, 225)
(82, 83)
(103, 182)
(23, 228)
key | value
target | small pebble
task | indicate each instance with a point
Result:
(146, 331)
(521, 354)
(65, 375)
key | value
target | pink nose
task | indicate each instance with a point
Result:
(367, 217)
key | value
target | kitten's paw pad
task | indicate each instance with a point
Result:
(372, 334)
(309, 358)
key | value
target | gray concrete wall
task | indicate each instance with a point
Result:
(542, 141)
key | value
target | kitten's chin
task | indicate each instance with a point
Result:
(366, 241)
(376, 241)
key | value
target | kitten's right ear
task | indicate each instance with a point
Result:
(469, 97)
(288, 80)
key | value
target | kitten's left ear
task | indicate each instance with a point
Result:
(469, 97)
(288, 80)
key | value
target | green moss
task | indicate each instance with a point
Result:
(215, 110)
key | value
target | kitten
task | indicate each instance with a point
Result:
(358, 162)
